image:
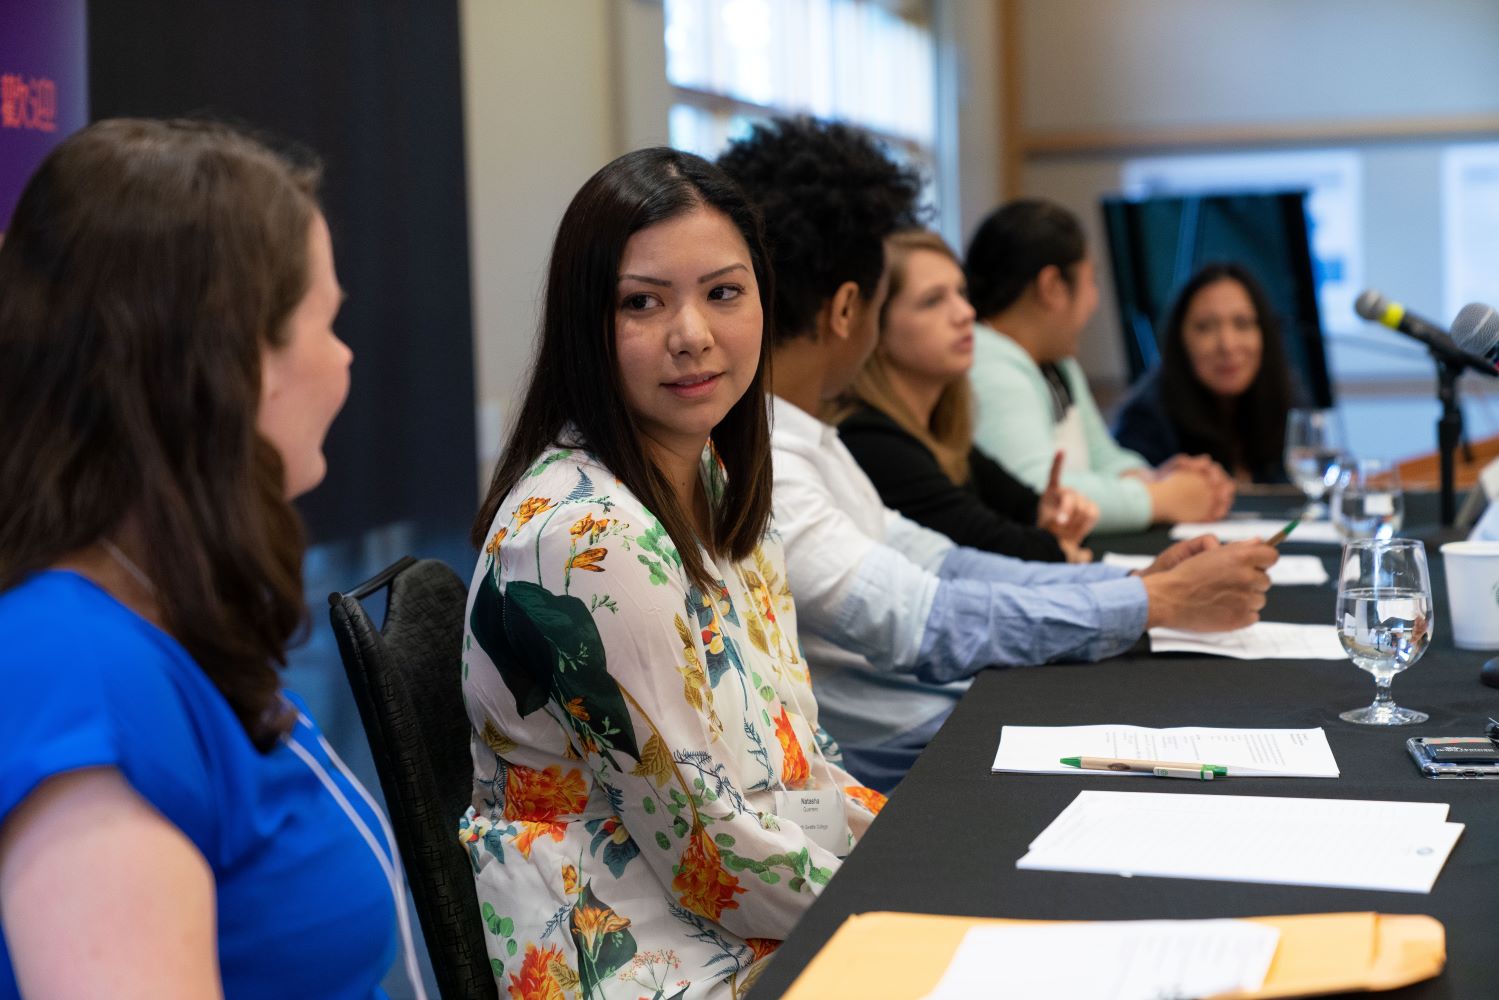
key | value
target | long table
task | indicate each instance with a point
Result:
(948, 840)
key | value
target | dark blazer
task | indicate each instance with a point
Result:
(993, 511)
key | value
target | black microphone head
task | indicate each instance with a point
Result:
(1476, 328)
(1371, 305)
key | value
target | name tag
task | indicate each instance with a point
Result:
(819, 812)
(1379, 503)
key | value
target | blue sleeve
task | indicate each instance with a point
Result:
(974, 624)
(86, 694)
(989, 567)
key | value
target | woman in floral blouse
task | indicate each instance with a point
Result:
(654, 802)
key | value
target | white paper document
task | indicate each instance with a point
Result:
(1335, 843)
(1125, 960)
(1280, 753)
(1307, 532)
(1260, 641)
(1289, 571)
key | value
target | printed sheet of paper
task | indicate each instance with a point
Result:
(1336, 843)
(1281, 753)
(1260, 641)
(1307, 532)
(1126, 960)
(1289, 571)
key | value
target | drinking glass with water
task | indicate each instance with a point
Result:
(1384, 619)
(1367, 501)
(1314, 450)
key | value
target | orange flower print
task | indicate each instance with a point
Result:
(705, 888)
(593, 922)
(542, 796)
(494, 543)
(760, 947)
(588, 559)
(597, 530)
(535, 981)
(576, 710)
(530, 508)
(531, 831)
(570, 880)
(581, 526)
(867, 797)
(795, 770)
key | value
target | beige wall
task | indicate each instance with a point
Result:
(554, 90)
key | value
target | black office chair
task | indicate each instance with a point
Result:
(407, 683)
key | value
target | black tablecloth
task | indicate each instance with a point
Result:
(949, 838)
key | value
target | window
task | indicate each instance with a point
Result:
(868, 62)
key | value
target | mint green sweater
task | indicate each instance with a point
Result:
(1014, 425)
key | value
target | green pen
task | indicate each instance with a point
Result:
(1280, 535)
(1159, 768)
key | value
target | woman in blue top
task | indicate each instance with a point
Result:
(171, 824)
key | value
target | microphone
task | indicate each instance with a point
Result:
(1476, 329)
(1373, 306)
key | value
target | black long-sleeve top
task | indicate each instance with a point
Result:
(993, 511)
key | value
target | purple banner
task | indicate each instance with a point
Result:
(43, 86)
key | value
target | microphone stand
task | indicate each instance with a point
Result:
(1449, 428)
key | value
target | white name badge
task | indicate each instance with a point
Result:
(819, 812)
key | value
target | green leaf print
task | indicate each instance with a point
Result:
(658, 543)
(662, 842)
(602, 938)
(497, 967)
(527, 677)
(511, 947)
(555, 636)
(491, 919)
(658, 575)
(507, 926)
(546, 463)
(649, 805)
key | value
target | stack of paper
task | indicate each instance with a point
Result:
(1288, 571)
(1281, 753)
(1260, 641)
(1126, 960)
(1307, 532)
(1337, 843)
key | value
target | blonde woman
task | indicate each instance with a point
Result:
(910, 422)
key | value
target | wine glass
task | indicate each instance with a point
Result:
(1367, 501)
(1384, 618)
(1314, 447)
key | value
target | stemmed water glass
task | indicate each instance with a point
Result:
(1384, 618)
(1314, 449)
(1367, 501)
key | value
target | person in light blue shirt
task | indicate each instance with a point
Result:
(895, 618)
(172, 824)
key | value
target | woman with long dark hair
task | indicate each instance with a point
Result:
(171, 823)
(654, 800)
(1223, 388)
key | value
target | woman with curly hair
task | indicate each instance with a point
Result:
(654, 799)
(1223, 388)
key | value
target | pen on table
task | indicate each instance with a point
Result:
(1280, 535)
(1159, 768)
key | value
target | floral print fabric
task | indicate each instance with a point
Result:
(630, 733)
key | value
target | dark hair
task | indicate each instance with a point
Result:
(148, 265)
(1014, 244)
(575, 376)
(1255, 434)
(829, 197)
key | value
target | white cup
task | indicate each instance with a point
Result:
(1473, 593)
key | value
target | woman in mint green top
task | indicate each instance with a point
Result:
(1032, 283)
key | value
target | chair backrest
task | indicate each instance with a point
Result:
(407, 683)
